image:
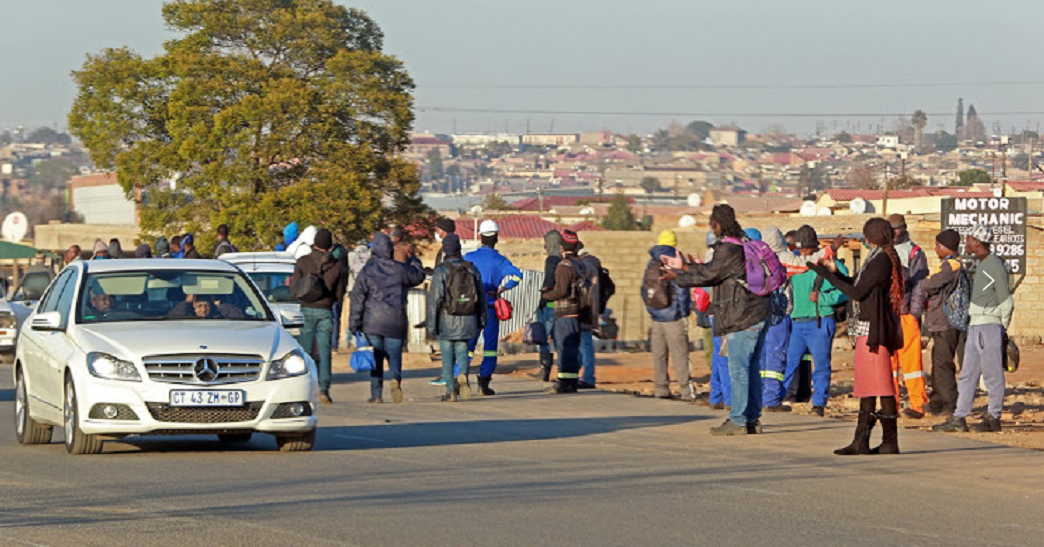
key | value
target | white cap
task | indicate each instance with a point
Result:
(488, 228)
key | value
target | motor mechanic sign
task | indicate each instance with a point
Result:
(1007, 217)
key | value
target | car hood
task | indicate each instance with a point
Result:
(134, 340)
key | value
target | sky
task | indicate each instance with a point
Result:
(631, 67)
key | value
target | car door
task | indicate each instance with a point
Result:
(43, 384)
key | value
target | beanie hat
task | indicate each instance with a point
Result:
(982, 233)
(668, 238)
(753, 233)
(570, 241)
(451, 246)
(949, 239)
(100, 247)
(446, 225)
(323, 240)
(806, 238)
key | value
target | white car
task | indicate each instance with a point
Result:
(272, 273)
(160, 347)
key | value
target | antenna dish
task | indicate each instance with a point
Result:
(687, 221)
(476, 210)
(695, 200)
(586, 211)
(824, 212)
(857, 206)
(808, 209)
(14, 227)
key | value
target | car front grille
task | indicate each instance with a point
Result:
(204, 415)
(180, 369)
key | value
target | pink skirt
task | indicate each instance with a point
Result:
(873, 371)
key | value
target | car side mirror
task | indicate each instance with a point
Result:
(291, 320)
(49, 321)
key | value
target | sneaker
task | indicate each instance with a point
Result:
(396, 391)
(754, 428)
(989, 424)
(375, 400)
(819, 411)
(728, 429)
(440, 381)
(779, 408)
(913, 414)
(585, 385)
(449, 398)
(463, 387)
(324, 397)
(953, 425)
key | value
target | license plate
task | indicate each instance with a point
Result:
(207, 398)
(294, 332)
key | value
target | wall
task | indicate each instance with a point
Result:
(103, 204)
(58, 237)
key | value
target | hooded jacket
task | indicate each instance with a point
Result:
(303, 245)
(553, 246)
(290, 234)
(773, 237)
(681, 302)
(440, 323)
(163, 247)
(915, 266)
(378, 299)
(938, 287)
(332, 273)
(735, 308)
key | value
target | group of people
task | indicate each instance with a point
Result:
(179, 246)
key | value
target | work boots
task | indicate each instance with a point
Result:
(484, 388)
(546, 361)
(463, 388)
(861, 442)
(563, 385)
(889, 416)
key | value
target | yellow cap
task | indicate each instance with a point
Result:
(667, 237)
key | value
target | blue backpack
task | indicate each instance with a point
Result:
(956, 304)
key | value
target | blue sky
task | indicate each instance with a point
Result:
(610, 46)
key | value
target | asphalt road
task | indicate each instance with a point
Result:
(522, 468)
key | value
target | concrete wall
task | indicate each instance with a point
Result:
(58, 237)
(103, 204)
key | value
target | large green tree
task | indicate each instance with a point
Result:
(620, 216)
(969, 177)
(264, 112)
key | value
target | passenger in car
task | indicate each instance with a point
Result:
(203, 307)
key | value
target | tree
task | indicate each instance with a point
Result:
(650, 185)
(620, 217)
(493, 202)
(661, 141)
(863, 178)
(974, 129)
(435, 167)
(634, 143)
(700, 128)
(53, 173)
(268, 111)
(919, 120)
(969, 177)
(844, 137)
(46, 135)
(944, 142)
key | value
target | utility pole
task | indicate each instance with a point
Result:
(887, 183)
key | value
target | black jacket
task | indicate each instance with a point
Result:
(875, 305)
(735, 308)
(453, 327)
(563, 291)
(332, 272)
(378, 299)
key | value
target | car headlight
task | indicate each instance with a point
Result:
(106, 366)
(293, 364)
(8, 321)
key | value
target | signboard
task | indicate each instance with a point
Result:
(1007, 217)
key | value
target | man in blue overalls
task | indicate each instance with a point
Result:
(498, 275)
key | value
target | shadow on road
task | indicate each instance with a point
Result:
(6, 395)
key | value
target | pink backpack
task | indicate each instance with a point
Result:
(765, 273)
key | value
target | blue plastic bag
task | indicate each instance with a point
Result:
(362, 357)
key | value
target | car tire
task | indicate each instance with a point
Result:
(296, 443)
(27, 429)
(76, 441)
(235, 437)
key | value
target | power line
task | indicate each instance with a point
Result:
(466, 110)
(736, 86)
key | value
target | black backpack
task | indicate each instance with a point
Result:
(311, 288)
(462, 294)
(583, 292)
(658, 294)
(606, 288)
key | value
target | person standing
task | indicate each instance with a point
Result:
(907, 363)
(101, 250)
(546, 309)
(498, 275)
(175, 248)
(670, 327)
(443, 228)
(777, 335)
(947, 341)
(567, 315)
(188, 245)
(143, 251)
(319, 281)
(877, 298)
(378, 310)
(590, 268)
(989, 317)
(456, 314)
(223, 244)
(290, 234)
(739, 316)
(720, 384)
(340, 254)
(162, 247)
(73, 254)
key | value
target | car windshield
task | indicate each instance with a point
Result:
(169, 295)
(275, 286)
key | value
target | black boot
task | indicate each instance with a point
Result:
(484, 388)
(564, 385)
(889, 416)
(546, 360)
(861, 442)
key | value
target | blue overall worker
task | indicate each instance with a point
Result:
(498, 275)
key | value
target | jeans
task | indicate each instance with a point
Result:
(587, 357)
(721, 386)
(819, 342)
(744, 348)
(454, 358)
(546, 316)
(316, 331)
(490, 341)
(335, 339)
(983, 354)
(385, 348)
(567, 342)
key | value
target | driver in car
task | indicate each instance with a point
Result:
(203, 307)
(101, 304)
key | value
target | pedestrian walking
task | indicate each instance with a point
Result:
(498, 276)
(378, 310)
(545, 308)
(669, 333)
(319, 281)
(456, 314)
(877, 298)
(907, 364)
(989, 317)
(740, 316)
(947, 340)
(566, 298)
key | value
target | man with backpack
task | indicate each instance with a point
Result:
(456, 314)
(669, 306)
(319, 281)
(602, 288)
(498, 275)
(223, 245)
(568, 294)
(949, 282)
(744, 273)
(545, 313)
(907, 361)
(989, 315)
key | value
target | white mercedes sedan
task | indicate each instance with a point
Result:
(160, 347)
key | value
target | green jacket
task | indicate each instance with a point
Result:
(829, 296)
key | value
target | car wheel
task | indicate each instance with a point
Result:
(235, 437)
(296, 443)
(26, 428)
(76, 441)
